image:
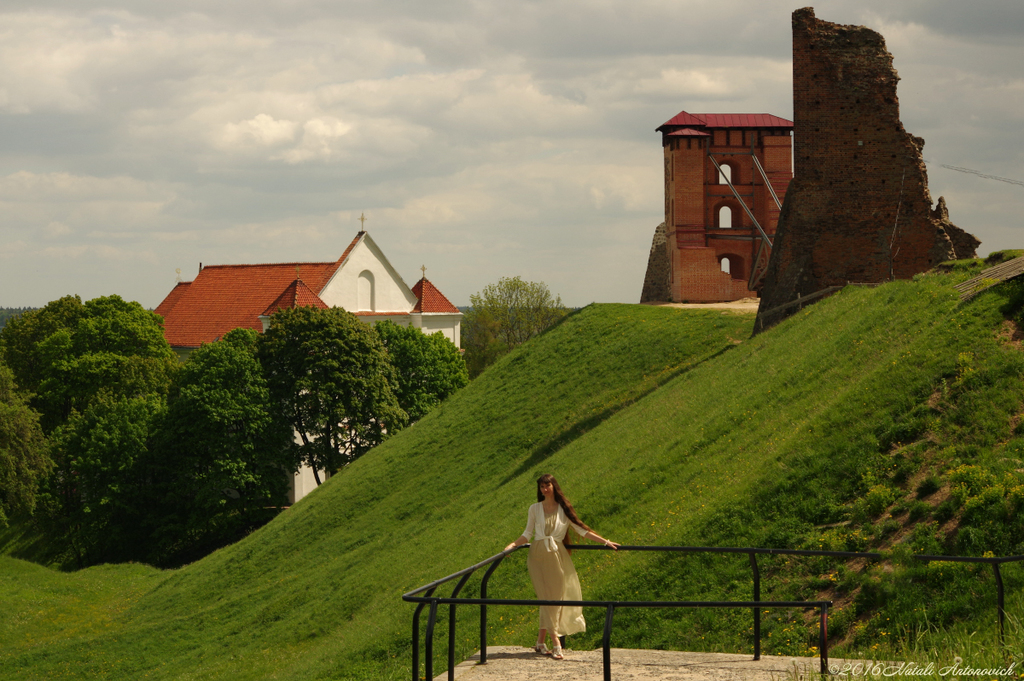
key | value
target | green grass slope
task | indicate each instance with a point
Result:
(315, 593)
(880, 418)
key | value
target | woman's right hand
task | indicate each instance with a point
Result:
(510, 546)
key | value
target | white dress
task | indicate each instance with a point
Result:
(552, 572)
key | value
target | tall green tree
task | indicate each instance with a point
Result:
(330, 376)
(21, 336)
(505, 315)
(24, 457)
(224, 457)
(428, 368)
(101, 497)
(114, 348)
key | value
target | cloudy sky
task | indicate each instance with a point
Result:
(481, 138)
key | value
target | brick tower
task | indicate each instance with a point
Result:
(721, 171)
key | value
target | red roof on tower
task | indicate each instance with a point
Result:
(430, 299)
(688, 120)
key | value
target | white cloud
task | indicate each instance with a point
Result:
(261, 130)
(319, 140)
(498, 138)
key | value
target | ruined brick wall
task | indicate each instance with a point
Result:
(855, 165)
(656, 287)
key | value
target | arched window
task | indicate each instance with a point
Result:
(725, 217)
(733, 265)
(724, 174)
(366, 295)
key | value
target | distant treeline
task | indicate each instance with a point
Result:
(10, 313)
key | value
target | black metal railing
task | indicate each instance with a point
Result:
(756, 605)
(995, 562)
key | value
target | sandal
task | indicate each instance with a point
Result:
(541, 649)
(557, 653)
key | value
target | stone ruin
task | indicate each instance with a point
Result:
(858, 209)
(656, 286)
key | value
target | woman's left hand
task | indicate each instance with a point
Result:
(612, 544)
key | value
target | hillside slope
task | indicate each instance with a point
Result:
(316, 589)
(820, 432)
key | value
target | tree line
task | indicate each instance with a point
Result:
(11, 312)
(117, 451)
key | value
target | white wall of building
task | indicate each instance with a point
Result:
(367, 282)
(432, 322)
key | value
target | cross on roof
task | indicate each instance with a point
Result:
(362, 221)
(424, 270)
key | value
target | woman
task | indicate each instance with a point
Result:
(551, 569)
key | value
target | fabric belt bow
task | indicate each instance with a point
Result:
(550, 543)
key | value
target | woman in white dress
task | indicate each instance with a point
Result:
(551, 570)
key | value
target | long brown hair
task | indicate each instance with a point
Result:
(563, 501)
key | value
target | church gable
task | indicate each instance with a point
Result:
(366, 282)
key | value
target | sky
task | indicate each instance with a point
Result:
(480, 139)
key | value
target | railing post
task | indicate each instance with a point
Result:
(416, 638)
(757, 611)
(483, 610)
(999, 602)
(606, 642)
(451, 626)
(823, 638)
(429, 653)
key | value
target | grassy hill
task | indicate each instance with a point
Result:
(879, 418)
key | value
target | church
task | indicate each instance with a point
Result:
(362, 281)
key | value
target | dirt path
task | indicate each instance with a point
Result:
(512, 663)
(742, 306)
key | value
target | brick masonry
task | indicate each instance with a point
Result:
(697, 241)
(858, 209)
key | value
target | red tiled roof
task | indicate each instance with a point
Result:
(745, 121)
(226, 297)
(689, 132)
(296, 295)
(725, 121)
(429, 299)
(684, 119)
(164, 308)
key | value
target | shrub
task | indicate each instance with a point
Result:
(928, 487)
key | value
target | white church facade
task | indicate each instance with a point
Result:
(362, 281)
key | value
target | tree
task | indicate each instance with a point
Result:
(21, 336)
(504, 316)
(329, 375)
(101, 499)
(224, 457)
(24, 459)
(428, 368)
(111, 347)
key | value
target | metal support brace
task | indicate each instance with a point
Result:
(823, 639)
(451, 626)
(999, 602)
(416, 637)
(483, 609)
(606, 643)
(757, 611)
(429, 653)
(767, 183)
(743, 203)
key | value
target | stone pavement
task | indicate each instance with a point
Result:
(513, 663)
